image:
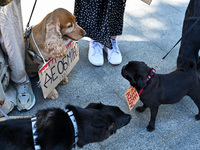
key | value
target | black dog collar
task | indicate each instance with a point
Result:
(148, 78)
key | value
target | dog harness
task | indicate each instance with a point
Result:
(73, 120)
(34, 128)
(148, 78)
(31, 53)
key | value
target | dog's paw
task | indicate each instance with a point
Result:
(150, 128)
(197, 117)
(64, 81)
(140, 109)
(53, 95)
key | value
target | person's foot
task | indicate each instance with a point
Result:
(114, 54)
(25, 96)
(95, 53)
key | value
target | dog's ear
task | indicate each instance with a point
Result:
(95, 105)
(54, 44)
(133, 81)
(102, 121)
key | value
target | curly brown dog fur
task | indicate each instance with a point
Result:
(49, 34)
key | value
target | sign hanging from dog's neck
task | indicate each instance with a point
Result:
(132, 97)
(56, 69)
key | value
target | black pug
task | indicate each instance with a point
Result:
(163, 88)
(190, 44)
(55, 130)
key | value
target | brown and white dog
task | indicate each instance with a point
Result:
(48, 35)
(61, 130)
(163, 88)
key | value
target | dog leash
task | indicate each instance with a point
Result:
(38, 48)
(197, 20)
(4, 113)
(153, 70)
(31, 14)
(27, 30)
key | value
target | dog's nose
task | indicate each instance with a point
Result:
(122, 71)
(129, 117)
(83, 33)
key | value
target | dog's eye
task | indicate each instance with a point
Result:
(69, 25)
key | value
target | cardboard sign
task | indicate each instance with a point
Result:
(56, 69)
(147, 1)
(132, 97)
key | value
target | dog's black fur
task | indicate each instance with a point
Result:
(190, 43)
(163, 88)
(55, 131)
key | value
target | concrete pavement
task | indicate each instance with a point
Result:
(149, 32)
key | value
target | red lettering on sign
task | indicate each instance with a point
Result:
(132, 97)
(47, 64)
(67, 46)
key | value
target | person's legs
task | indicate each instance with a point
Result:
(13, 44)
(114, 54)
(12, 39)
(116, 16)
(95, 53)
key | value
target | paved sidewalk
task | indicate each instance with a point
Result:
(149, 32)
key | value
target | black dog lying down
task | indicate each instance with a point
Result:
(163, 88)
(55, 130)
(190, 43)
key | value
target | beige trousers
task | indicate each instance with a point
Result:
(11, 39)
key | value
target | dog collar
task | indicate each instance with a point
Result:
(73, 120)
(34, 128)
(148, 78)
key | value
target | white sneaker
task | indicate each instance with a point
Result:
(95, 53)
(25, 96)
(114, 55)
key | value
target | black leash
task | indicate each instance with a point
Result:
(31, 14)
(197, 20)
